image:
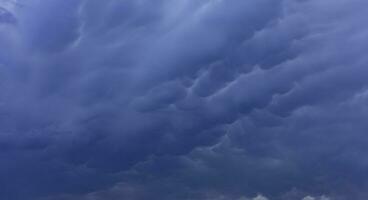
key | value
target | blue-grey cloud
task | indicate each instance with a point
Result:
(214, 99)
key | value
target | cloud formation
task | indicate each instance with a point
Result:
(183, 99)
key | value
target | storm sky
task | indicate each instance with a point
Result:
(183, 100)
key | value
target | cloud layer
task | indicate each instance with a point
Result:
(186, 99)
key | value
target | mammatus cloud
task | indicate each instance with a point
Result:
(213, 99)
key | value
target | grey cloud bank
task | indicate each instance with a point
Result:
(185, 99)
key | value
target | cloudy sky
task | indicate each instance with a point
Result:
(183, 100)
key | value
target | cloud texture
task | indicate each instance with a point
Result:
(184, 99)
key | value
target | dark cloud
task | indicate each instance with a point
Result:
(6, 17)
(214, 99)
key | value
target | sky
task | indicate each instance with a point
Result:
(183, 100)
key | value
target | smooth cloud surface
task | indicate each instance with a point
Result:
(184, 99)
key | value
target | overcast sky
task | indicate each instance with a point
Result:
(183, 100)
